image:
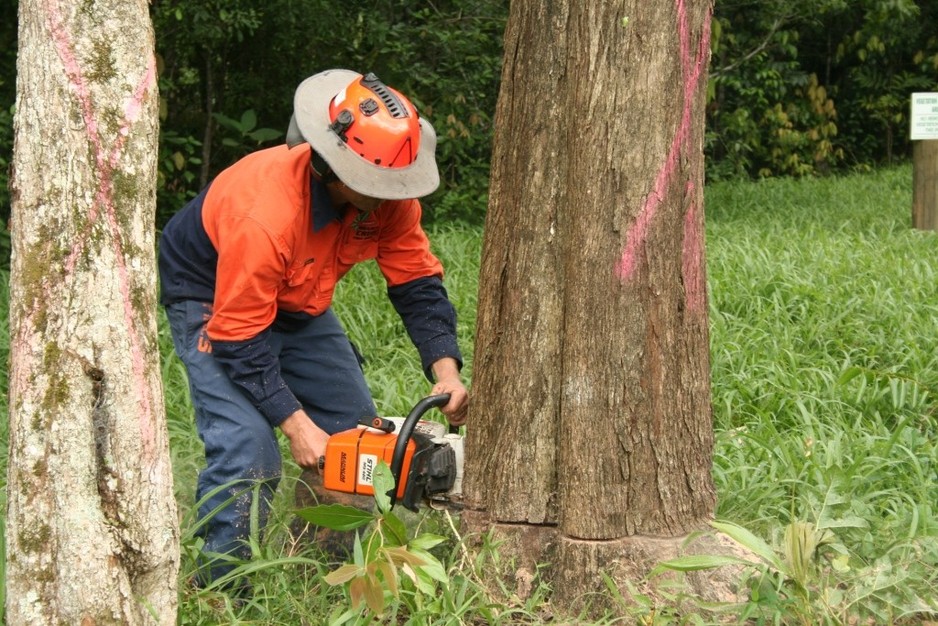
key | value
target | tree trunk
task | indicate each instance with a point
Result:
(592, 415)
(92, 533)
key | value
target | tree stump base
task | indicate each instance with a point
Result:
(523, 550)
(337, 545)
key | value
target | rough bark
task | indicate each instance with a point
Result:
(591, 374)
(92, 533)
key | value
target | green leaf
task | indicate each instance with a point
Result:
(749, 541)
(336, 516)
(847, 521)
(697, 562)
(833, 497)
(226, 121)
(340, 616)
(431, 566)
(396, 530)
(841, 563)
(264, 134)
(383, 484)
(422, 580)
(849, 374)
(426, 541)
(358, 554)
(248, 120)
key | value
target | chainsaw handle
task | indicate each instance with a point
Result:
(407, 429)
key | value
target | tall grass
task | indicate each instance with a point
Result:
(824, 344)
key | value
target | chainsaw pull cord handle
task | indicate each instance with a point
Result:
(403, 437)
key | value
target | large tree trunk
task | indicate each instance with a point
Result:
(92, 534)
(592, 414)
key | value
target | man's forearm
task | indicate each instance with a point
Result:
(445, 368)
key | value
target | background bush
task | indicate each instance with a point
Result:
(798, 87)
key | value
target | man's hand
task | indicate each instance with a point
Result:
(446, 372)
(307, 441)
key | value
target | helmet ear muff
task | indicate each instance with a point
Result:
(321, 169)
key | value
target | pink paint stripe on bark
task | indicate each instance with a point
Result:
(131, 114)
(104, 200)
(78, 85)
(691, 68)
(638, 234)
(63, 45)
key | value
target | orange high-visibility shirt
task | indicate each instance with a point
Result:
(258, 215)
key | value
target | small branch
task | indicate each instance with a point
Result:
(762, 46)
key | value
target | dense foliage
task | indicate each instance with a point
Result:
(798, 87)
(801, 87)
(229, 69)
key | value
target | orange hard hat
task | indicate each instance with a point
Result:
(369, 134)
(377, 122)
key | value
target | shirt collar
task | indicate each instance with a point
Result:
(324, 211)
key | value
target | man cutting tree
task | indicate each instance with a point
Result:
(248, 269)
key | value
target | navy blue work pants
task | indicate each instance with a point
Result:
(322, 370)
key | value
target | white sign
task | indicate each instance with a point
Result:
(924, 116)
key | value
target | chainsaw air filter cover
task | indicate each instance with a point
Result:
(353, 455)
(429, 464)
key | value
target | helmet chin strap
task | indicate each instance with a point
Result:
(321, 169)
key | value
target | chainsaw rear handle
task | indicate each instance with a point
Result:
(407, 429)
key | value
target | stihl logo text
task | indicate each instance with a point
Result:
(366, 469)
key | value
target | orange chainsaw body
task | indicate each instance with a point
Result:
(422, 457)
(353, 455)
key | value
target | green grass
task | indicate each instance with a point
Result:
(824, 344)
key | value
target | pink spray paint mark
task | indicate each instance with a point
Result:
(104, 197)
(692, 67)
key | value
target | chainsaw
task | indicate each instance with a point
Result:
(426, 461)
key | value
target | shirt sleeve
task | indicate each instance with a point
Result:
(250, 269)
(403, 247)
(253, 367)
(430, 320)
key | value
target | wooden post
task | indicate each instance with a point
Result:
(925, 185)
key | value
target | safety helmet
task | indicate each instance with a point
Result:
(369, 134)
